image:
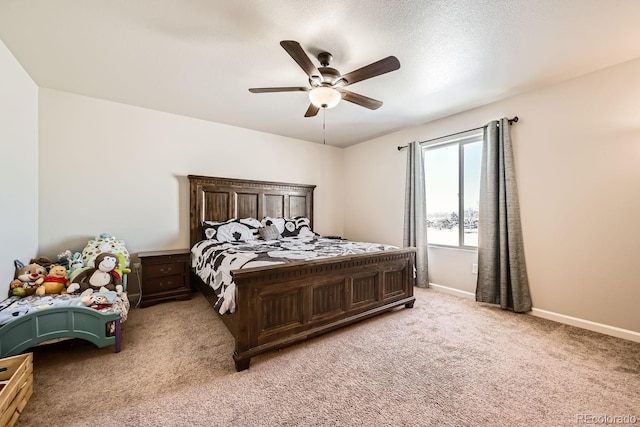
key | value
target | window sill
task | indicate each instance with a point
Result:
(454, 248)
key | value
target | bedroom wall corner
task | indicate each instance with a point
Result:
(576, 154)
(18, 167)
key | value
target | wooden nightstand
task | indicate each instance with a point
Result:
(165, 275)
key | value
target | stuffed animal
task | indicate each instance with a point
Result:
(55, 282)
(43, 261)
(26, 277)
(122, 270)
(64, 258)
(97, 301)
(75, 264)
(102, 277)
(105, 242)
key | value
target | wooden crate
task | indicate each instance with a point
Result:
(16, 387)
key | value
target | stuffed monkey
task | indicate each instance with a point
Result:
(103, 277)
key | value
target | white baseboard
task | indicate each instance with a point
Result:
(556, 317)
(452, 291)
(587, 324)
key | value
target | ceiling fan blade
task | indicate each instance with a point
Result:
(277, 89)
(294, 50)
(364, 101)
(312, 111)
(386, 65)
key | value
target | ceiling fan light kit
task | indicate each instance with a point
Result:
(324, 97)
(327, 84)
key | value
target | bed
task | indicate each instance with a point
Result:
(280, 305)
(27, 322)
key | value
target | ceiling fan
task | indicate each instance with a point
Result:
(327, 84)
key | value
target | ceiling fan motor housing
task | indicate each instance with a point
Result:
(330, 76)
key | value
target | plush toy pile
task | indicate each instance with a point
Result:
(98, 268)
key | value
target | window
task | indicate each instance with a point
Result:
(452, 178)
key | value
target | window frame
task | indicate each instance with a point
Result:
(460, 141)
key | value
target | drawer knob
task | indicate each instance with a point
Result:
(167, 270)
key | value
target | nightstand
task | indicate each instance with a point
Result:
(165, 275)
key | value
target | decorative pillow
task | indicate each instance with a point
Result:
(299, 226)
(233, 230)
(269, 232)
(278, 222)
(105, 242)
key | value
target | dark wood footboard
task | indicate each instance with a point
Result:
(281, 305)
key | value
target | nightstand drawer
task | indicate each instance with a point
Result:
(165, 275)
(169, 269)
(166, 283)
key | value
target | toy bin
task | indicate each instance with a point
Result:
(16, 386)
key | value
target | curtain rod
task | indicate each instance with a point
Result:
(511, 121)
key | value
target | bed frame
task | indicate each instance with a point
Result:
(284, 304)
(59, 322)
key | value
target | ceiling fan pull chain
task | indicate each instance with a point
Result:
(324, 124)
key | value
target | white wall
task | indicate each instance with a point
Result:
(18, 167)
(577, 152)
(114, 168)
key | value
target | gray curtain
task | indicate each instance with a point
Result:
(502, 273)
(415, 212)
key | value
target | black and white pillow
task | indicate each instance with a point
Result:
(233, 230)
(298, 226)
(269, 232)
(278, 222)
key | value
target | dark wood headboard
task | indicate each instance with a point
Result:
(220, 199)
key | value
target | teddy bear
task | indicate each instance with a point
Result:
(26, 276)
(55, 282)
(102, 277)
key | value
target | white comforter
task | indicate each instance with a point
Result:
(213, 261)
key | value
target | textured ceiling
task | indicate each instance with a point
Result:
(199, 57)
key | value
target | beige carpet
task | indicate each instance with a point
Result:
(446, 362)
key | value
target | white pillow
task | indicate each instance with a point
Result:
(233, 230)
